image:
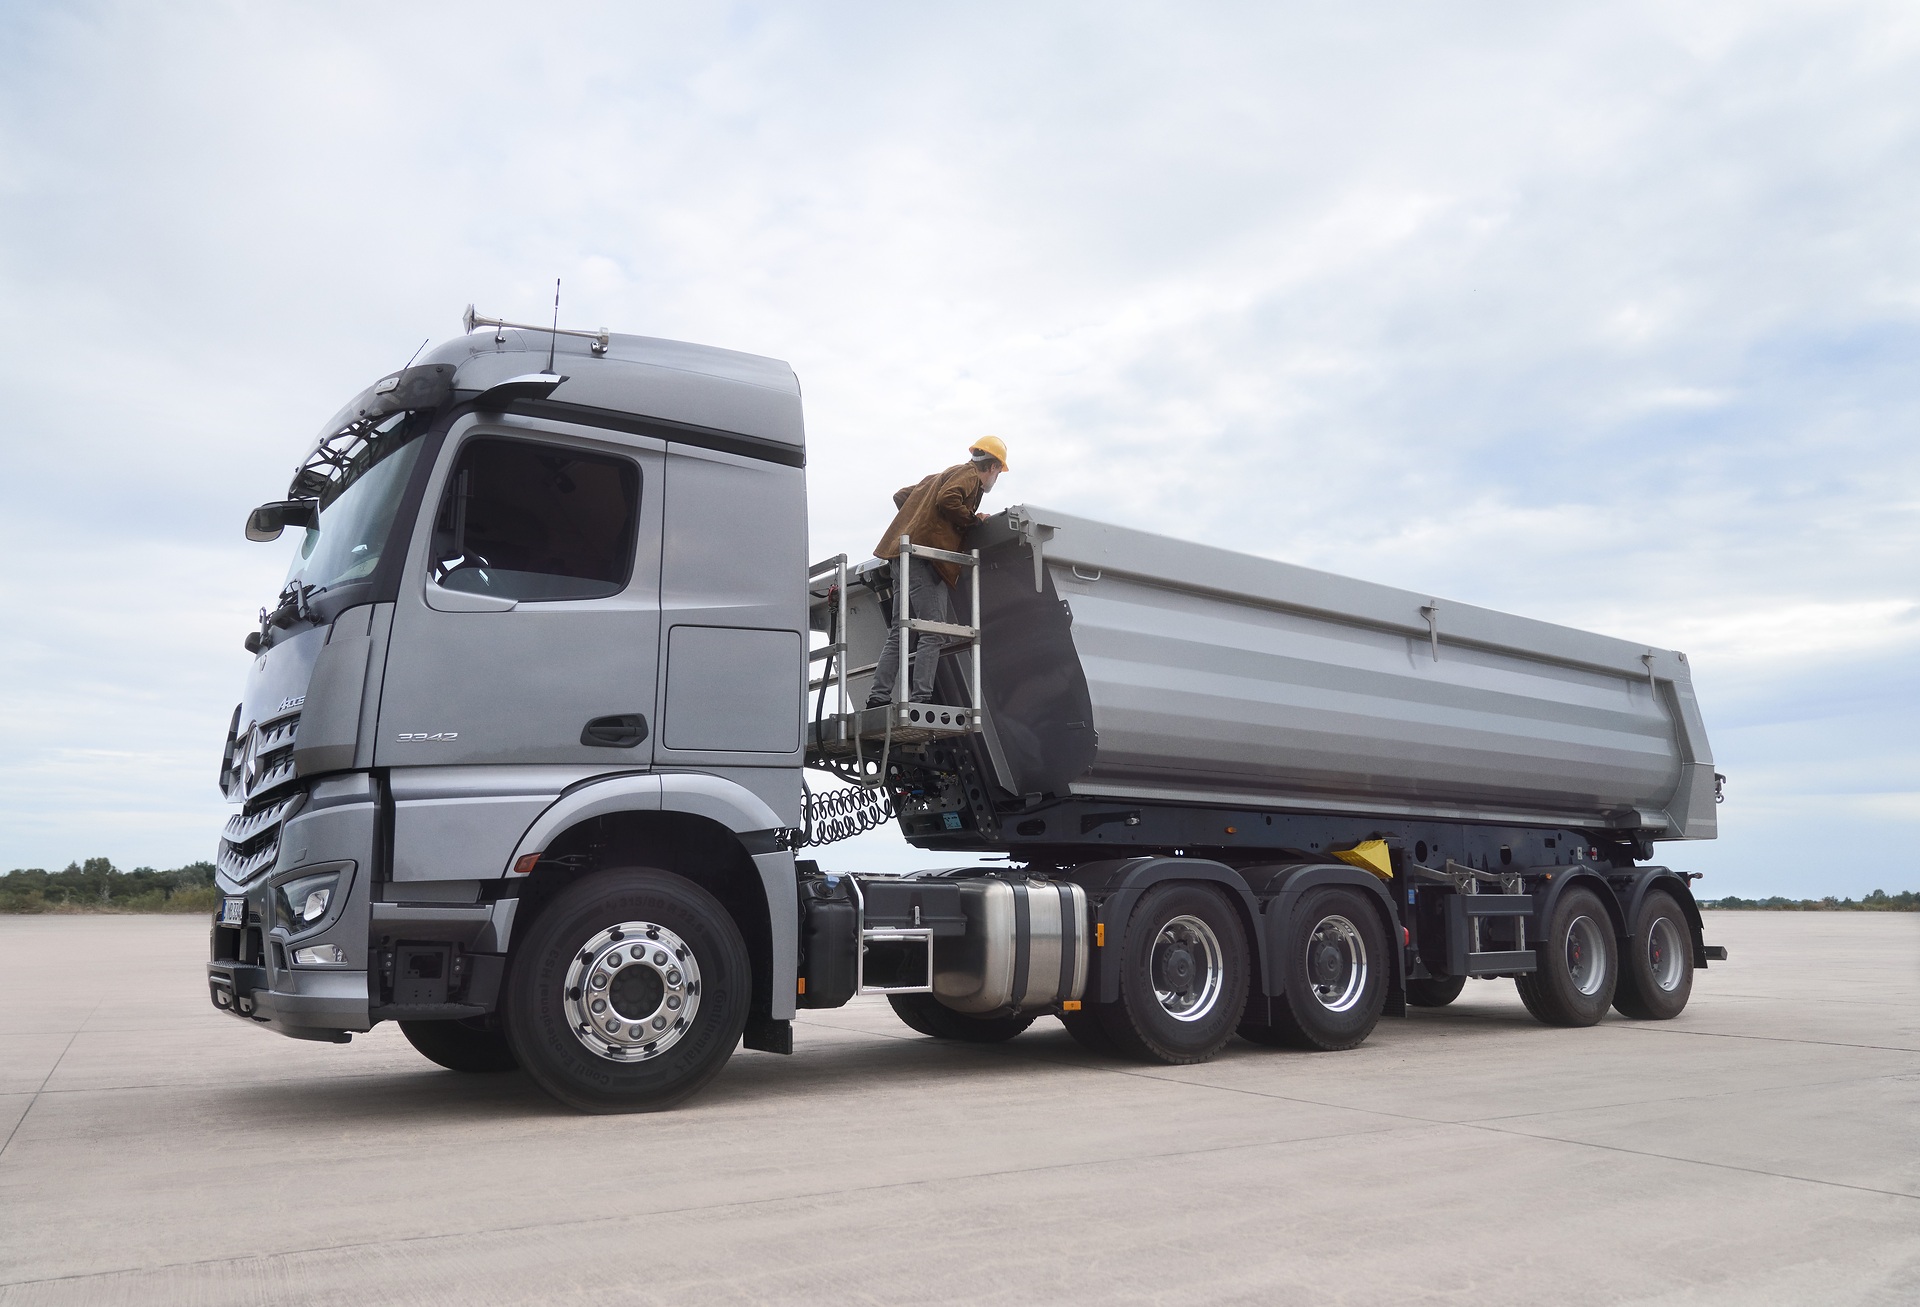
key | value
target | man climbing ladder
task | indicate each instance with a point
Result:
(937, 512)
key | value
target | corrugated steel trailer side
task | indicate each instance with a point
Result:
(1126, 666)
(1225, 678)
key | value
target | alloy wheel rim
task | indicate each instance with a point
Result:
(632, 991)
(1188, 968)
(1337, 964)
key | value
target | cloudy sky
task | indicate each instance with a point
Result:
(1604, 314)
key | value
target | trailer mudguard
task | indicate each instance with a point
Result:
(719, 800)
(1113, 887)
(1280, 888)
(1546, 896)
(1648, 879)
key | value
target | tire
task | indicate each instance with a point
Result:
(465, 1045)
(1436, 992)
(1335, 964)
(1088, 1031)
(1579, 964)
(929, 1016)
(1183, 977)
(1656, 975)
(629, 992)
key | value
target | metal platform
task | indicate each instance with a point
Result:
(867, 732)
(912, 723)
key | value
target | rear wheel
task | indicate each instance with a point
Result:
(1183, 977)
(629, 992)
(1656, 975)
(929, 1016)
(1578, 964)
(1335, 960)
(1437, 991)
(467, 1045)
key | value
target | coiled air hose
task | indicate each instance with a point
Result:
(841, 814)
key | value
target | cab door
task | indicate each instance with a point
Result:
(528, 628)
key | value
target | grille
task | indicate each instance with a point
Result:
(258, 775)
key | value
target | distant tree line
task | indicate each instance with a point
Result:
(1878, 901)
(96, 885)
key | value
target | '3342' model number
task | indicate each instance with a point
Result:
(427, 737)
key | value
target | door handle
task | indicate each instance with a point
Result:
(621, 731)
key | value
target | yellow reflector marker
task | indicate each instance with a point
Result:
(1368, 855)
(1099, 934)
(803, 984)
(1071, 1005)
(524, 866)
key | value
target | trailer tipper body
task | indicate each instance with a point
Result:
(519, 762)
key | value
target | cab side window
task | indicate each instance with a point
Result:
(531, 521)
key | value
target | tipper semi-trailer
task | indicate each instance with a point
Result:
(520, 761)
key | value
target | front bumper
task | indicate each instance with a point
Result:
(322, 1005)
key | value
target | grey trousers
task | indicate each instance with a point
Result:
(931, 601)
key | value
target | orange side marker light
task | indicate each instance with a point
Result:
(524, 866)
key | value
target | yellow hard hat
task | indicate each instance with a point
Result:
(994, 446)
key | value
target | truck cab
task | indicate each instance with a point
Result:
(549, 606)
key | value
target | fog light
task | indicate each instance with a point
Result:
(320, 955)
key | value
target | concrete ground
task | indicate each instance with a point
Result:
(1763, 1148)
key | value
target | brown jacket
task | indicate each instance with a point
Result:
(937, 513)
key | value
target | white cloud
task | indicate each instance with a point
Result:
(1602, 316)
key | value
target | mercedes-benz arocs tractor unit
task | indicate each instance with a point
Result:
(520, 760)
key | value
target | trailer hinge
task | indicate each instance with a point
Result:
(1431, 611)
(1036, 534)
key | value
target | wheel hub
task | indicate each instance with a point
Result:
(1586, 956)
(1188, 968)
(632, 991)
(1336, 961)
(1667, 957)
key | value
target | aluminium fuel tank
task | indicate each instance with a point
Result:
(1124, 665)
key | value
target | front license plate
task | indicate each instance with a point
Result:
(233, 912)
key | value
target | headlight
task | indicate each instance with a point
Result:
(305, 901)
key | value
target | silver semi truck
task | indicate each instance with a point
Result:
(520, 760)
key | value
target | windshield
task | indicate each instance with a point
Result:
(356, 510)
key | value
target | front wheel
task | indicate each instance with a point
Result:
(465, 1045)
(929, 1016)
(629, 993)
(1656, 976)
(1183, 977)
(1335, 960)
(1577, 964)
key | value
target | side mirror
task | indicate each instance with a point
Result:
(269, 520)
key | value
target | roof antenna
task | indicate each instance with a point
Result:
(416, 353)
(554, 338)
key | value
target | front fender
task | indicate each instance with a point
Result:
(716, 799)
